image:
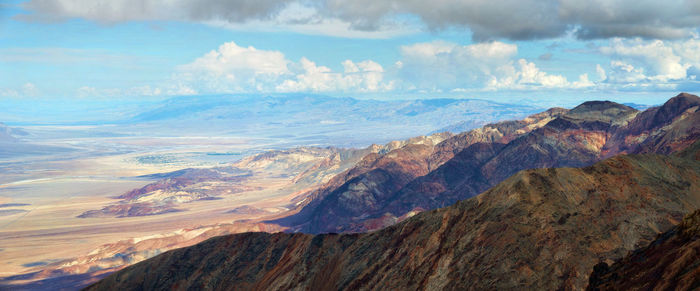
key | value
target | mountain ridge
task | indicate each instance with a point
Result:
(540, 228)
(379, 175)
(578, 137)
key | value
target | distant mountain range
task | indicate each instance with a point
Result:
(321, 119)
(283, 121)
(561, 191)
(293, 108)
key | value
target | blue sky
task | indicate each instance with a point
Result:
(555, 52)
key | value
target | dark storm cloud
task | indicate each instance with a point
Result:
(512, 19)
(631, 18)
(533, 19)
(487, 19)
(112, 11)
(235, 11)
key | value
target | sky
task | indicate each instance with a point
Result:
(555, 52)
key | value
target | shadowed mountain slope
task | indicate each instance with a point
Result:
(469, 163)
(538, 229)
(671, 262)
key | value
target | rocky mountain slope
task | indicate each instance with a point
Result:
(469, 163)
(285, 177)
(363, 189)
(389, 167)
(538, 229)
(671, 262)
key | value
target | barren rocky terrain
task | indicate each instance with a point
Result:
(538, 229)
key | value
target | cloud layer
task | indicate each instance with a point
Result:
(111, 11)
(428, 67)
(506, 19)
(487, 66)
(424, 67)
(232, 68)
(645, 65)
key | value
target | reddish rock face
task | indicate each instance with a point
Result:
(665, 129)
(540, 229)
(348, 200)
(386, 188)
(502, 132)
(364, 187)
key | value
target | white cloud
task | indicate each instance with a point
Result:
(232, 68)
(602, 76)
(621, 72)
(427, 50)
(582, 82)
(231, 58)
(491, 50)
(658, 59)
(429, 67)
(486, 66)
(313, 78)
(365, 76)
(527, 76)
(437, 65)
(530, 74)
(688, 50)
(638, 64)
